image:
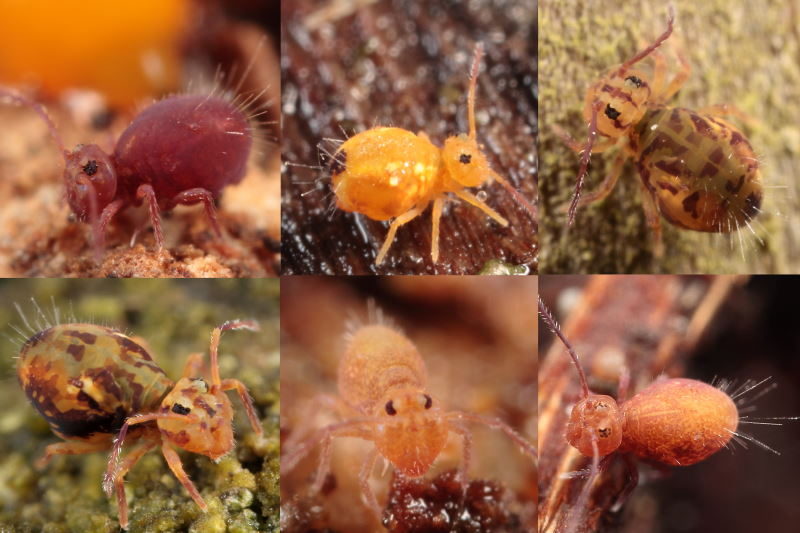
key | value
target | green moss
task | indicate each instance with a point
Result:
(741, 54)
(175, 319)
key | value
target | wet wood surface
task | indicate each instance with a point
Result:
(350, 66)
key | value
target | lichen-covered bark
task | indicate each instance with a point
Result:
(174, 319)
(743, 54)
(350, 66)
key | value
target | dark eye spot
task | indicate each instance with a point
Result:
(465, 158)
(611, 112)
(90, 168)
(428, 402)
(634, 80)
(604, 432)
(390, 410)
(181, 410)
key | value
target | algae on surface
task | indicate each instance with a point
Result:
(175, 318)
(744, 54)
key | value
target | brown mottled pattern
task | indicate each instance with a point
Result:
(716, 156)
(706, 173)
(76, 351)
(616, 92)
(126, 344)
(690, 203)
(735, 187)
(74, 375)
(674, 167)
(701, 126)
(69, 412)
(181, 438)
(675, 123)
(199, 402)
(87, 338)
(737, 138)
(668, 187)
(709, 170)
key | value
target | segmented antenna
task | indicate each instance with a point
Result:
(658, 42)
(585, 155)
(553, 326)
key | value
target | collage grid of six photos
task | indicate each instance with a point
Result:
(407, 221)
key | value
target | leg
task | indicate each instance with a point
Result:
(113, 459)
(516, 194)
(356, 427)
(470, 199)
(601, 146)
(105, 217)
(192, 196)
(145, 191)
(363, 479)
(624, 385)
(238, 386)
(659, 73)
(653, 218)
(585, 153)
(175, 465)
(131, 459)
(321, 403)
(435, 216)
(70, 448)
(406, 217)
(466, 455)
(633, 480)
(727, 110)
(575, 515)
(496, 423)
(193, 366)
(677, 82)
(216, 333)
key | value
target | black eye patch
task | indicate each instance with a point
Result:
(90, 168)
(181, 410)
(611, 112)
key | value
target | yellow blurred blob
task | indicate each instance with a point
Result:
(125, 49)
